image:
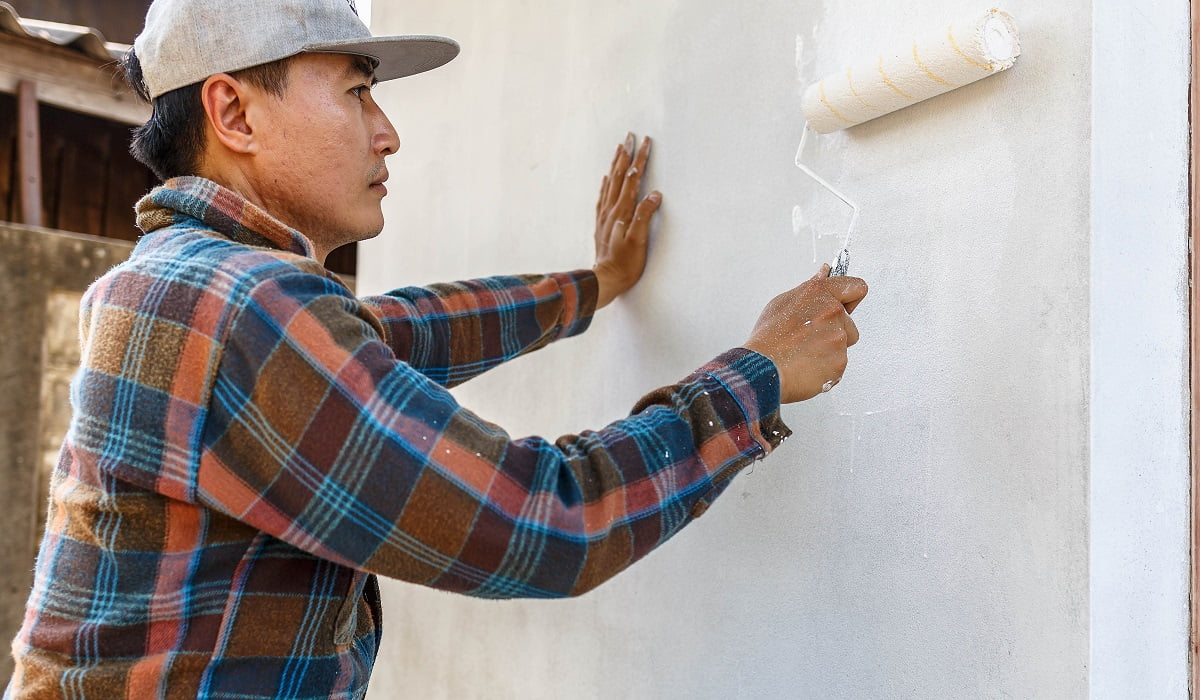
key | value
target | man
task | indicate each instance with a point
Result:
(251, 444)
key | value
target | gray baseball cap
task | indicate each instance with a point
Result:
(185, 41)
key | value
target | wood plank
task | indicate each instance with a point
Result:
(29, 153)
(129, 181)
(92, 177)
(69, 79)
(54, 144)
(78, 188)
(89, 181)
(8, 158)
(343, 260)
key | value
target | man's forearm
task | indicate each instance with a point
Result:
(455, 331)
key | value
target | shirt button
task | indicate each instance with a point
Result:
(699, 509)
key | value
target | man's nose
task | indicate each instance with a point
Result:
(387, 141)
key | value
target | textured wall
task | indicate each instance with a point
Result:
(43, 273)
(926, 531)
(1139, 475)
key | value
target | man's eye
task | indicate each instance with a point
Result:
(358, 91)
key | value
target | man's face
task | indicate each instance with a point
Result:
(320, 163)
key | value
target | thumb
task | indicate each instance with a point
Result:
(849, 291)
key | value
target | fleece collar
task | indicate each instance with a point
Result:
(220, 209)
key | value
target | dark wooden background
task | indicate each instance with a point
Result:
(90, 182)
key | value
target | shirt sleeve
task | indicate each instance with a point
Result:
(453, 332)
(318, 435)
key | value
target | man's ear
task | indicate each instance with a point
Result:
(225, 101)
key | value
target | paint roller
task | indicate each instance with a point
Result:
(964, 52)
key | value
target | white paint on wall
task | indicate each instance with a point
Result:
(926, 533)
(1139, 311)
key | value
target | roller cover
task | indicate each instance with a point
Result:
(961, 53)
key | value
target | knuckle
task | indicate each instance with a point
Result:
(829, 314)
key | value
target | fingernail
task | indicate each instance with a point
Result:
(655, 197)
(629, 143)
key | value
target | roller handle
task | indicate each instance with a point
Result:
(840, 267)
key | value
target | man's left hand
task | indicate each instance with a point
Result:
(623, 223)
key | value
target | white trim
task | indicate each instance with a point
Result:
(1139, 490)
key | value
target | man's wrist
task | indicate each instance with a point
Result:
(609, 285)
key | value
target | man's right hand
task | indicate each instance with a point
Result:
(805, 332)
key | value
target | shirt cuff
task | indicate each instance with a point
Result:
(580, 291)
(752, 381)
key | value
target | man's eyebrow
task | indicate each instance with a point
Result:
(362, 67)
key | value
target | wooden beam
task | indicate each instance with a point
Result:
(70, 80)
(29, 153)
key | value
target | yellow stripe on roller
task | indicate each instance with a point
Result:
(850, 82)
(889, 82)
(968, 59)
(830, 107)
(926, 69)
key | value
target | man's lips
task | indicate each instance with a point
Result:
(377, 184)
(378, 180)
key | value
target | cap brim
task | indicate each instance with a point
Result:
(398, 56)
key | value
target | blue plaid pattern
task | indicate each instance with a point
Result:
(252, 444)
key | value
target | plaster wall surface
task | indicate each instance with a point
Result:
(43, 273)
(1139, 476)
(925, 533)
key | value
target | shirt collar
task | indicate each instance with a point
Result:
(222, 210)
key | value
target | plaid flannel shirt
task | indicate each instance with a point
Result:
(251, 445)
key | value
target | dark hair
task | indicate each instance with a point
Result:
(171, 142)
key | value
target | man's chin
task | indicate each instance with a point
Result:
(374, 230)
(369, 228)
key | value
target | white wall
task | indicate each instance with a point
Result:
(1139, 431)
(926, 533)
